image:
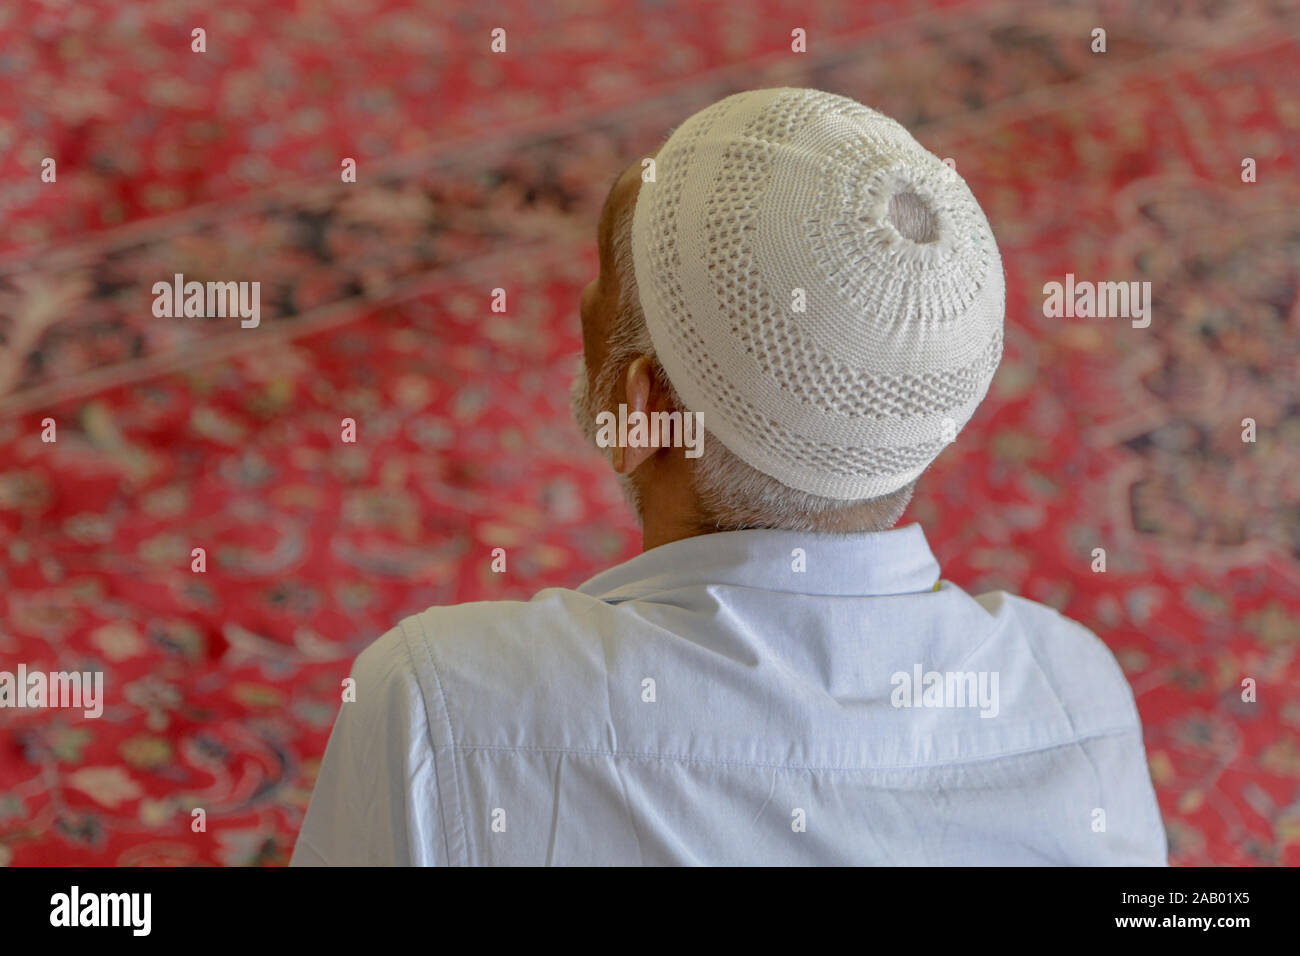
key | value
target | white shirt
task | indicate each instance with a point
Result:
(749, 697)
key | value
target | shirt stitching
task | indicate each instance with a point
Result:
(451, 734)
(686, 758)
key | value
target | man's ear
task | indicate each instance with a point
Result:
(642, 394)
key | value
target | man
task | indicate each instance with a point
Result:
(779, 678)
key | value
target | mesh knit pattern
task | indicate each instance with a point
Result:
(823, 289)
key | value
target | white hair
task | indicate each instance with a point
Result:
(733, 495)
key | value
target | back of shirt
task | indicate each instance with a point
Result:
(756, 697)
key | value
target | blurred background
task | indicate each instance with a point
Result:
(478, 170)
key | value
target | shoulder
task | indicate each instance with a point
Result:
(513, 638)
(385, 696)
(508, 673)
(1077, 664)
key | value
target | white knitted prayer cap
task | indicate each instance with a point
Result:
(772, 191)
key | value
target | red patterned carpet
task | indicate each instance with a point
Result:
(478, 172)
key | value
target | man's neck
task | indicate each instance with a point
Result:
(670, 512)
(656, 533)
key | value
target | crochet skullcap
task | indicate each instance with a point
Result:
(772, 199)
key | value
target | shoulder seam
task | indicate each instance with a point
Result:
(451, 735)
(688, 758)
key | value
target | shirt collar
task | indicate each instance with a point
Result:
(898, 561)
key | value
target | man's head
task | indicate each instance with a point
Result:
(823, 290)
